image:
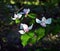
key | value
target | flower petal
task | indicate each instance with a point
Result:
(21, 31)
(30, 27)
(26, 11)
(25, 27)
(38, 21)
(19, 15)
(43, 24)
(48, 21)
(13, 18)
(15, 15)
(21, 26)
(43, 19)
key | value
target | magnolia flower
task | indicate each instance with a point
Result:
(44, 21)
(19, 15)
(24, 28)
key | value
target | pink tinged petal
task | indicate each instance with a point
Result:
(21, 31)
(43, 24)
(26, 30)
(25, 27)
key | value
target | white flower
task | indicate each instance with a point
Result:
(44, 21)
(19, 15)
(24, 28)
(26, 11)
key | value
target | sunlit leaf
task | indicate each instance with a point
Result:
(31, 34)
(17, 21)
(33, 40)
(24, 39)
(11, 22)
(40, 33)
(31, 15)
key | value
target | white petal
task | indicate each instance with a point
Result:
(21, 32)
(30, 27)
(28, 10)
(38, 21)
(25, 26)
(13, 18)
(19, 15)
(43, 19)
(48, 21)
(21, 26)
(15, 15)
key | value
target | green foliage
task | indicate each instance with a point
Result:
(17, 21)
(32, 15)
(40, 33)
(11, 23)
(25, 38)
(33, 40)
(30, 37)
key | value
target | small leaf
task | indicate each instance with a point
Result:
(17, 21)
(31, 15)
(31, 34)
(11, 22)
(32, 21)
(40, 33)
(25, 39)
(33, 40)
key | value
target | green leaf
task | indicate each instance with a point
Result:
(31, 15)
(11, 22)
(17, 21)
(31, 34)
(25, 39)
(33, 40)
(40, 33)
(32, 22)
